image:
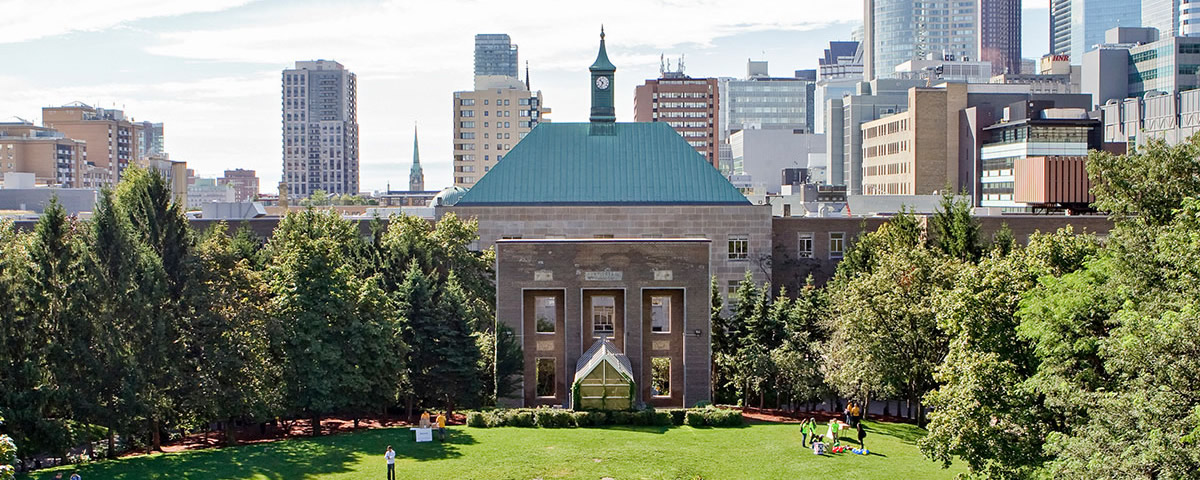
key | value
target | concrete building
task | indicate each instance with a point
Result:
(202, 191)
(20, 193)
(489, 121)
(1077, 26)
(689, 105)
(495, 55)
(1034, 158)
(49, 155)
(844, 118)
(838, 72)
(1173, 117)
(1050, 74)
(320, 129)
(764, 154)
(935, 69)
(1000, 35)
(113, 141)
(152, 142)
(765, 102)
(174, 171)
(1137, 62)
(245, 184)
(896, 31)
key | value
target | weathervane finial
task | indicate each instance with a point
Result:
(602, 31)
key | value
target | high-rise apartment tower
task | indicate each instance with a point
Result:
(320, 129)
(495, 55)
(1077, 26)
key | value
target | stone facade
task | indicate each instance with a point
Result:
(633, 273)
(720, 224)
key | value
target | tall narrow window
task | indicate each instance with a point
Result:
(660, 377)
(660, 314)
(545, 314)
(604, 311)
(806, 245)
(837, 244)
(545, 377)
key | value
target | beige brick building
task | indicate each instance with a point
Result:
(915, 152)
(54, 159)
(112, 139)
(489, 121)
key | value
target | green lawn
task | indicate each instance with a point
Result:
(768, 451)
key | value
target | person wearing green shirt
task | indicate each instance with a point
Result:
(808, 428)
(833, 432)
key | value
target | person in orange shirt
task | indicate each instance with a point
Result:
(424, 423)
(441, 425)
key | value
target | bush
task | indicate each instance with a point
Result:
(590, 419)
(662, 419)
(477, 420)
(555, 418)
(623, 418)
(695, 418)
(717, 417)
(519, 418)
(678, 416)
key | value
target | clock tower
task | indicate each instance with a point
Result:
(602, 87)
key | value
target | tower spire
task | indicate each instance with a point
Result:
(602, 71)
(416, 175)
(527, 76)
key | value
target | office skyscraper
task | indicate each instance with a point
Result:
(1000, 35)
(320, 129)
(895, 31)
(1172, 18)
(495, 55)
(1077, 26)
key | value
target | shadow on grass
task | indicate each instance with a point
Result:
(281, 460)
(901, 431)
(435, 450)
(631, 428)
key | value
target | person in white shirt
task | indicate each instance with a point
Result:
(391, 463)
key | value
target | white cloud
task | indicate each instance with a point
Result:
(32, 19)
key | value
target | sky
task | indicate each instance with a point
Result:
(210, 69)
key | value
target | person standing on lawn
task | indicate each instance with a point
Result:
(390, 456)
(441, 425)
(807, 428)
(862, 434)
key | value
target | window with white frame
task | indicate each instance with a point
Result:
(660, 314)
(545, 314)
(739, 247)
(805, 245)
(837, 244)
(604, 312)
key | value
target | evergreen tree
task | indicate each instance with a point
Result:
(456, 370)
(416, 304)
(956, 232)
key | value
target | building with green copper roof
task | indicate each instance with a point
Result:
(603, 162)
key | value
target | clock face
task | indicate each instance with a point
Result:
(602, 83)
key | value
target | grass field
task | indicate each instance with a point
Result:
(766, 451)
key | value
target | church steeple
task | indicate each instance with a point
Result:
(602, 70)
(416, 176)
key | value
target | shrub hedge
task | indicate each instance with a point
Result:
(559, 418)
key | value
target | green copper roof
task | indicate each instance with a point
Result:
(602, 64)
(642, 164)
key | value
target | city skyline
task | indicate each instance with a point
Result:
(208, 70)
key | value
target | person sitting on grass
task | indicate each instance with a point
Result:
(441, 425)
